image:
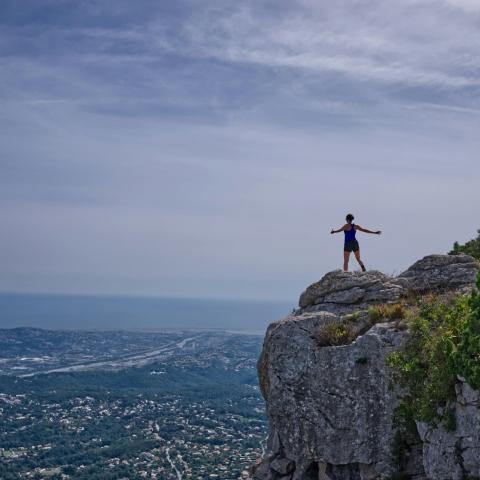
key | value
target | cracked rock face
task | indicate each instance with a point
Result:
(330, 408)
(330, 404)
(456, 452)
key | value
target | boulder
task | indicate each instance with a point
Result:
(441, 272)
(341, 292)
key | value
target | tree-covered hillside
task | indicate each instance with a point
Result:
(472, 247)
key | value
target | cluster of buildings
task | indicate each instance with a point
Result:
(138, 436)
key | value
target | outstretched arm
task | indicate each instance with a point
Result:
(341, 229)
(366, 230)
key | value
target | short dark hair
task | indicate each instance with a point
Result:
(349, 217)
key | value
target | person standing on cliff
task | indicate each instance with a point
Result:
(351, 243)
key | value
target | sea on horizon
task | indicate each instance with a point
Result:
(83, 312)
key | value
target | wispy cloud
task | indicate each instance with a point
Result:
(186, 142)
(412, 44)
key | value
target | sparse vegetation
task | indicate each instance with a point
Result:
(472, 247)
(444, 342)
(346, 330)
(355, 316)
(334, 333)
(387, 311)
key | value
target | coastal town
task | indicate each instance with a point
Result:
(190, 416)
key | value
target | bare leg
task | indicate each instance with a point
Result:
(357, 256)
(346, 258)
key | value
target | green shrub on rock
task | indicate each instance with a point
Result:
(472, 247)
(444, 343)
(465, 354)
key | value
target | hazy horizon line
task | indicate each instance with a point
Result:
(141, 296)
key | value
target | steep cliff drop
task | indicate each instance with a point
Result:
(330, 397)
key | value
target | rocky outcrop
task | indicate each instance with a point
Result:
(341, 292)
(441, 272)
(330, 408)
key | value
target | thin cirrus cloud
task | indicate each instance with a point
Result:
(366, 48)
(187, 148)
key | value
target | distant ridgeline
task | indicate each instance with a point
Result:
(376, 377)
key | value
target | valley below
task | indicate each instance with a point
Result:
(169, 404)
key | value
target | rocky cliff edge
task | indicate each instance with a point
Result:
(331, 407)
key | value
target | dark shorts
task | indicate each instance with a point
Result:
(351, 246)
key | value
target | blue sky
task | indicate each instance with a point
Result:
(207, 148)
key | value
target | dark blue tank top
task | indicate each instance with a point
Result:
(350, 235)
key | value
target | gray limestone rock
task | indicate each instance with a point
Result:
(340, 292)
(455, 455)
(441, 272)
(331, 404)
(439, 453)
(330, 408)
(283, 466)
(261, 470)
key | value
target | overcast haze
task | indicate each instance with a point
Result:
(207, 148)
